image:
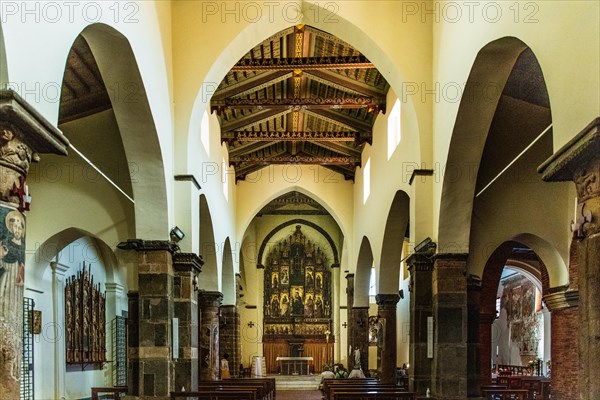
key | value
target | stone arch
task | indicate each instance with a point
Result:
(250, 216)
(227, 275)
(549, 259)
(209, 279)
(393, 241)
(3, 61)
(266, 27)
(322, 231)
(120, 75)
(362, 276)
(49, 250)
(487, 81)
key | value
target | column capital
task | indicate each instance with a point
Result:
(561, 298)
(335, 265)
(210, 298)
(149, 245)
(349, 276)
(58, 268)
(420, 262)
(451, 256)
(187, 262)
(579, 161)
(114, 287)
(387, 300)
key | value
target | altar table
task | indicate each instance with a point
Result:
(294, 365)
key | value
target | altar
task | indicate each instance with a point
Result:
(294, 365)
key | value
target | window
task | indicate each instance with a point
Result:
(394, 128)
(373, 283)
(204, 133)
(367, 181)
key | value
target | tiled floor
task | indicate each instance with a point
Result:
(298, 395)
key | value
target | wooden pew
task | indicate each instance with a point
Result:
(333, 389)
(258, 388)
(506, 394)
(231, 394)
(328, 383)
(266, 385)
(374, 395)
(115, 391)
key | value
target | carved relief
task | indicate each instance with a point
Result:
(587, 181)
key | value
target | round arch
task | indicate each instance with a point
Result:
(393, 240)
(490, 72)
(228, 275)
(118, 66)
(362, 276)
(209, 279)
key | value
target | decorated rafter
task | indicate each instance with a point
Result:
(313, 103)
(258, 136)
(298, 159)
(303, 63)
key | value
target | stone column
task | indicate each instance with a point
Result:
(360, 336)
(229, 337)
(387, 322)
(335, 293)
(449, 289)
(579, 161)
(24, 133)
(150, 362)
(474, 366)
(563, 304)
(485, 321)
(350, 319)
(421, 268)
(209, 334)
(187, 266)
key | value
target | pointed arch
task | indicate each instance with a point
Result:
(227, 275)
(393, 243)
(3, 61)
(121, 77)
(209, 279)
(487, 81)
(363, 273)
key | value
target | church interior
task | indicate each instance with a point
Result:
(242, 194)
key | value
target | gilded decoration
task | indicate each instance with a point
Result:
(297, 288)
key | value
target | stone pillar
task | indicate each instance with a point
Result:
(449, 289)
(24, 133)
(150, 362)
(335, 293)
(474, 365)
(563, 304)
(579, 161)
(485, 321)
(420, 268)
(187, 266)
(350, 319)
(229, 337)
(360, 336)
(387, 322)
(209, 334)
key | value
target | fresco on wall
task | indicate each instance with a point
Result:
(522, 305)
(12, 274)
(297, 288)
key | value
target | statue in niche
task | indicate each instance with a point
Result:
(318, 307)
(319, 281)
(310, 280)
(297, 303)
(285, 279)
(275, 306)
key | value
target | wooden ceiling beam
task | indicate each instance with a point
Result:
(341, 119)
(252, 84)
(303, 63)
(252, 119)
(339, 148)
(346, 83)
(299, 159)
(326, 103)
(268, 136)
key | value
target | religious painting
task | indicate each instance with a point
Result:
(516, 300)
(310, 278)
(284, 306)
(528, 300)
(285, 277)
(275, 281)
(274, 304)
(319, 307)
(309, 305)
(36, 322)
(373, 330)
(12, 262)
(319, 280)
(297, 303)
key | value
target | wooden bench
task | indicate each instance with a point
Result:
(374, 395)
(266, 386)
(231, 394)
(333, 389)
(506, 394)
(115, 391)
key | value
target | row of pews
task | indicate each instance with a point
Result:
(231, 389)
(363, 389)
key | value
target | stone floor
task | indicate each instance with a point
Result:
(298, 395)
